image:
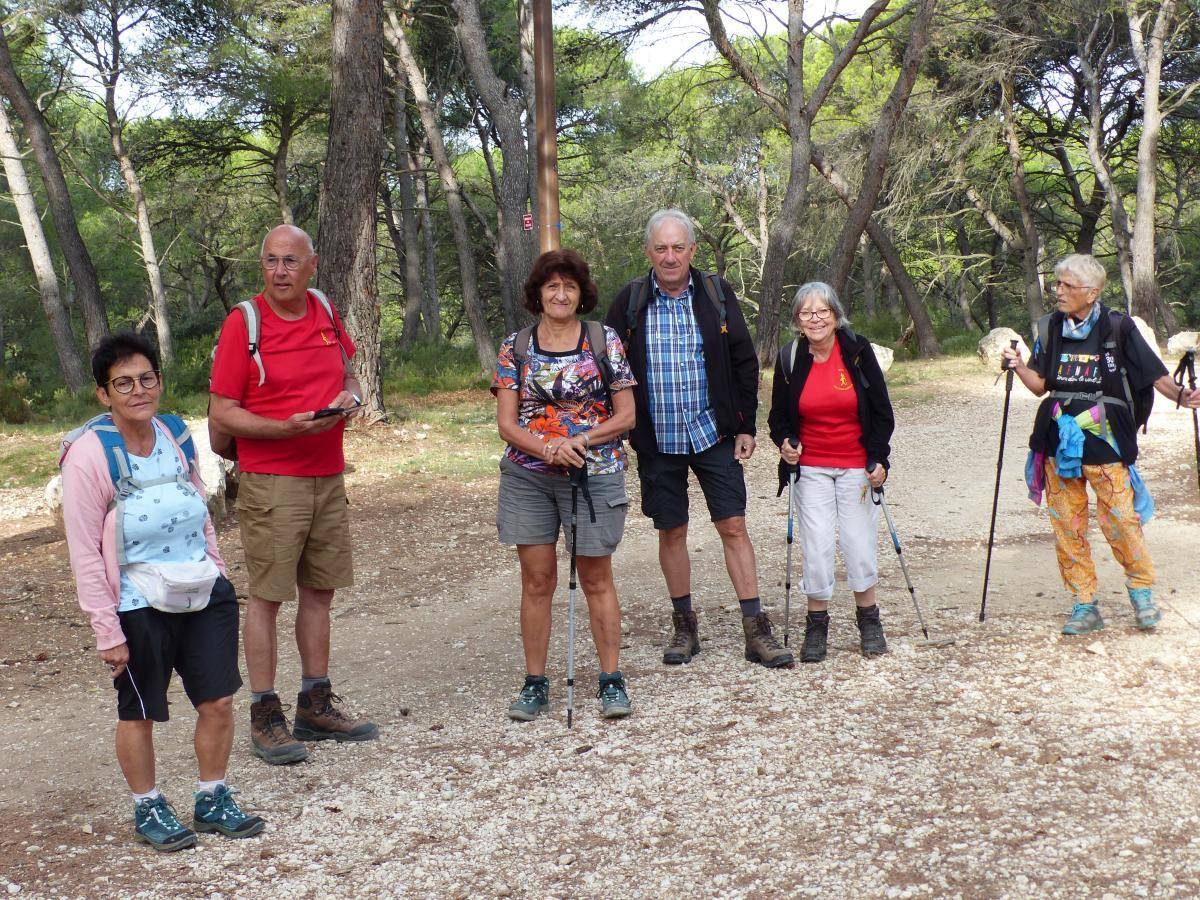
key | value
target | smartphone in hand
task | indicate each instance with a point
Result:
(329, 411)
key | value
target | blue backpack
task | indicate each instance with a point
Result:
(118, 462)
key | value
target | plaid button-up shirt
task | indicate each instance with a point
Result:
(676, 381)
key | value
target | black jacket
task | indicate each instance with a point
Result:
(729, 361)
(874, 407)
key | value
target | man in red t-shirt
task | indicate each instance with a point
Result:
(286, 409)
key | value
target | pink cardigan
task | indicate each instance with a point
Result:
(87, 489)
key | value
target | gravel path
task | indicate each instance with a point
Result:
(1014, 763)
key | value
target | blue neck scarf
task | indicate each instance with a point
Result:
(1077, 331)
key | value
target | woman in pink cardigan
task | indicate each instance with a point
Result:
(151, 580)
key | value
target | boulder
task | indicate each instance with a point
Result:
(992, 344)
(1147, 335)
(215, 471)
(885, 355)
(1178, 344)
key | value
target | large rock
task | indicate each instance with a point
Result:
(1147, 335)
(216, 472)
(992, 344)
(1178, 344)
(885, 355)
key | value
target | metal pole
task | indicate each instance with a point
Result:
(545, 114)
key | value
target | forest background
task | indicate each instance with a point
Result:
(932, 159)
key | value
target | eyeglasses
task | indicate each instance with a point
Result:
(815, 314)
(124, 384)
(1068, 286)
(289, 263)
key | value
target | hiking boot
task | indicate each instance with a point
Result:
(155, 823)
(1084, 619)
(319, 717)
(532, 701)
(614, 697)
(270, 739)
(1144, 611)
(218, 811)
(761, 646)
(816, 636)
(870, 631)
(685, 642)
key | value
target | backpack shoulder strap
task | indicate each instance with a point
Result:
(599, 349)
(639, 291)
(337, 332)
(716, 296)
(253, 333)
(787, 358)
(522, 347)
(1119, 328)
(182, 436)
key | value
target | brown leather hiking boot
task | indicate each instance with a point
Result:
(685, 642)
(270, 739)
(319, 717)
(761, 646)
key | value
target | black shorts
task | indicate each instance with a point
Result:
(664, 484)
(201, 646)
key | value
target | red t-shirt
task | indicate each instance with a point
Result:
(305, 372)
(830, 432)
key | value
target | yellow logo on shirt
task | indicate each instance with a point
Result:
(327, 338)
(843, 381)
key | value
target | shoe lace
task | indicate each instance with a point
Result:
(1082, 609)
(164, 814)
(329, 708)
(275, 723)
(681, 638)
(227, 807)
(531, 693)
(611, 691)
(762, 631)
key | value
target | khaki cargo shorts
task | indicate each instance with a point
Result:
(295, 531)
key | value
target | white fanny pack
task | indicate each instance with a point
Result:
(175, 587)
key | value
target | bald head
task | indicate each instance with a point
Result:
(288, 264)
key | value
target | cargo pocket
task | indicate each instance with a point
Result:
(255, 507)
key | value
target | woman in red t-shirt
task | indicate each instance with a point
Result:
(831, 418)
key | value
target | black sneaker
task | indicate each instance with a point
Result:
(870, 631)
(816, 638)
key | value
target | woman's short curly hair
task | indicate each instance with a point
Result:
(568, 264)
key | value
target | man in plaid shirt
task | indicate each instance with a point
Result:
(697, 398)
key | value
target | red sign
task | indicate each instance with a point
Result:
(527, 221)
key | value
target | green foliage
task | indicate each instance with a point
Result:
(428, 368)
(14, 399)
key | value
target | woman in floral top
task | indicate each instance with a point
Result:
(555, 412)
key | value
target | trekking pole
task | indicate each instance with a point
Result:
(987, 569)
(878, 499)
(571, 600)
(787, 583)
(1187, 364)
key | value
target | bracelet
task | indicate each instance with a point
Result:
(587, 442)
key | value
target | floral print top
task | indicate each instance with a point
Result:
(561, 395)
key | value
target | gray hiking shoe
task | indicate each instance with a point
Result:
(533, 700)
(1084, 619)
(1145, 612)
(614, 696)
(870, 631)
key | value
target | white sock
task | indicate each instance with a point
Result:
(151, 794)
(209, 786)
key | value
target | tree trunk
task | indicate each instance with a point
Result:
(783, 229)
(472, 306)
(279, 165)
(1143, 249)
(346, 233)
(79, 261)
(963, 295)
(431, 312)
(870, 286)
(881, 143)
(1031, 243)
(515, 257)
(57, 317)
(413, 301)
(141, 210)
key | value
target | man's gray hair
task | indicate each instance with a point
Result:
(671, 215)
(824, 292)
(1085, 267)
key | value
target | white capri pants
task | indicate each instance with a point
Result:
(829, 499)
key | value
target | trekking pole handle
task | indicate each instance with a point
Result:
(876, 492)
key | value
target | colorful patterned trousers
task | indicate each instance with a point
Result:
(1067, 501)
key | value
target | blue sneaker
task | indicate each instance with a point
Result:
(533, 699)
(614, 696)
(155, 823)
(1144, 611)
(1084, 619)
(218, 811)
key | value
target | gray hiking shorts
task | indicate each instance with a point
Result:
(534, 507)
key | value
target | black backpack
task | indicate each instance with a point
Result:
(1141, 403)
(640, 292)
(597, 346)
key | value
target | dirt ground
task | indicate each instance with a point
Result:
(1015, 762)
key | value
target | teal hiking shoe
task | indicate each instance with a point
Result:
(614, 696)
(155, 823)
(1084, 619)
(1144, 611)
(532, 701)
(218, 811)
